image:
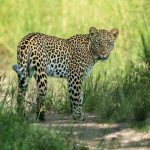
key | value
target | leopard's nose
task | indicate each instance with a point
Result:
(103, 52)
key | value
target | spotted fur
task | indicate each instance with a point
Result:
(41, 55)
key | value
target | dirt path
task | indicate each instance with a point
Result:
(98, 135)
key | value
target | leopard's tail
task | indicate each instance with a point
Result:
(22, 68)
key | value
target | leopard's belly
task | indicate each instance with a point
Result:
(57, 70)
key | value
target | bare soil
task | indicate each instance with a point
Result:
(96, 135)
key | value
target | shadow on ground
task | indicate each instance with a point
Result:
(97, 135)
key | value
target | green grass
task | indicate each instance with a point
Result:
(17, 135)
(119, 99)
(112, 101)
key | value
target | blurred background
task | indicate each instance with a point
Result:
(65, 18)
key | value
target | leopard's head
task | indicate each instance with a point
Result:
(102, 42)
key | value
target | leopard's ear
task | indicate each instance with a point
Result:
(114, 33)
(93, 31)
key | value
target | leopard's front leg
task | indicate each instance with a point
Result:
(76, 96)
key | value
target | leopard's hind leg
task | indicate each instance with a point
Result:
(23, 81)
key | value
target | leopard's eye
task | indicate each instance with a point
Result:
(97, 42)
(110, 45)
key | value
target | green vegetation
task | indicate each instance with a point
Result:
(16, 134)
(118, 90)
(120, 99)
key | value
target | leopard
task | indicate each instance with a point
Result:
(42, 56)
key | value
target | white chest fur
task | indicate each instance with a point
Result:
(88, 70)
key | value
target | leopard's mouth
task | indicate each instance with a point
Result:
(103, 58)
